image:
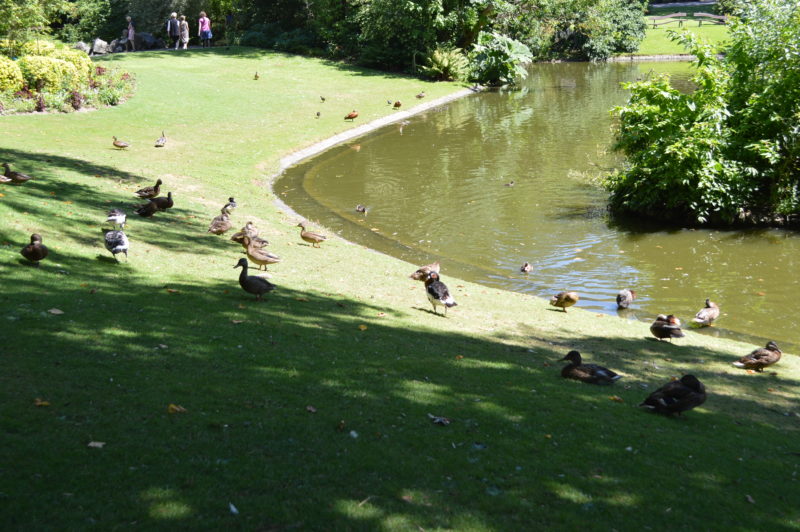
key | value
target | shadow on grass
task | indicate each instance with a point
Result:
(310, 411)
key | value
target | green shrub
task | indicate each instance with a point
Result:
(447, 64)
(48, 73)
(11, 79)
(81, 61)
(498, 60)
(37, 47)
(256, 39)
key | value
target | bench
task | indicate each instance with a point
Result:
(666, 19)
(708, 17)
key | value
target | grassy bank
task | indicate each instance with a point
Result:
(310, 410)
(656, 41)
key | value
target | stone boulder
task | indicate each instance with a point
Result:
(146, 41)
(99, 47)
(82, 46)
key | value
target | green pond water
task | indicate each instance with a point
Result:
(435, 188)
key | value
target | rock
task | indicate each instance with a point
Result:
(145, 41)
(99, 47)
(117, 45)
(82, 46)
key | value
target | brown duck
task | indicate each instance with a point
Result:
(760, 358)
(150, 192)
(35, 251)
(147, 210)
(676, 396)
(625, 297)
(563, 300)
(162, 204)
(351, 115)
(251, 283)
(251, 231)
(666, 327)
(424, 272)
(14, 177)
(309, 236)
(589, 373)
(706, 315)
(397, 105)
(259, 256)
(220, 224)
(120, 144)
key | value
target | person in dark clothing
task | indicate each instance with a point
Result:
(174, 30)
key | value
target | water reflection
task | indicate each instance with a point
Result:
(436, 190)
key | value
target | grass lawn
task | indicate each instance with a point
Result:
(309, 411)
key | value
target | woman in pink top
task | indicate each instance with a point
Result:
(204, 29)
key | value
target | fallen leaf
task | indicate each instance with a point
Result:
(771, 390)
(176, 409)
(173, 291)
(375, 229)
(56, 311)
(751, 372)
(237, 321)
(311, 409)
(616, 399)
(96, 444)
(301, 299)
(362, 327)
(2, 195)
(40, 402)
(761, 293)
(459, 357)
(679, 268)
(750, 499)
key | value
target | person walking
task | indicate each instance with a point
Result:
(184, 32)
(131, 34)
(204, 29)
(174, 30)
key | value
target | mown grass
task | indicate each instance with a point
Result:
(657, 42)
(346, 333)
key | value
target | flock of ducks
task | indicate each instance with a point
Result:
(352, 115)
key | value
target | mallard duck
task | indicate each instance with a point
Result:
(121, 144)
(666, 327)
(423, 272)
(4, 179)
(322, 99)
(149, 192)
(220, 224)
(162, 204)
(259, 256)
(625, 297)
(397, 105)
(16, 178)
(117, 217)
(706, 315)
(252, 284)
(256, 76)
(438, 294)
(760, 358)
(312, 238)
(116, 242)
(509, 184)
(676, 396)
(563, 300)
(362, 209)
(147, 210)
(590, 373)
(228, 207)
(161, 141)
(351, 115)
(251, 231)
(421, 95)
(35, 251)
(526, 267)
(318, 114)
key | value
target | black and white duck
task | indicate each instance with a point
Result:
(589, 373)
(161, 141)
(117, 217)
(116, 241)
(251, 283)
(676, 396)
(438, 294)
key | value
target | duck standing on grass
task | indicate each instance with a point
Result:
(259, 256)
(162, 204)
(676, 396)
(251, 283)
(352, 115)
(438, 294)
(424, 271)
(117, 217)
(624, 298)
(760, 358)
(589, 373)
(120, 144)
(668, 327)
(706, 315)
(309, 236)
(116, 242)
(563, 300)
(149, 192)
(147, 210)
(251, 231)
(220, 224)
(35, 251)
(161, 141)
(14, 177)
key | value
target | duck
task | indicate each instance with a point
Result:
(228, 207)
(760, 358)
(526, 267)
(251, 283)
(14, 177)
(397, 105)
(351, 115)
(256, 76)
(706, 315)
(564, 299)
(117, 217)
(251, 231)
(509, 184)
(322, 99)
(318, 114)
(161, 141)
(4, 179)
(423, 272)
(589, 373)
(121, 144)
(421, 95)
(362, 209)
(116, 242)
(312, 238)
(162, 204)
(147, 210)
(666, 327)
(438, 294)
(259, 256)
(149, 192)
(35, 251)
(625, 297)
(220, 224)
(676, 396)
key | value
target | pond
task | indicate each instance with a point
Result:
(436, 188)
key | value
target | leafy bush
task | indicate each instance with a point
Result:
(81, 61)
(36, 47)
(256, 39)
(496, 59)
(298, 41)
(48, 73)
(447, 64)
(11, 79)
